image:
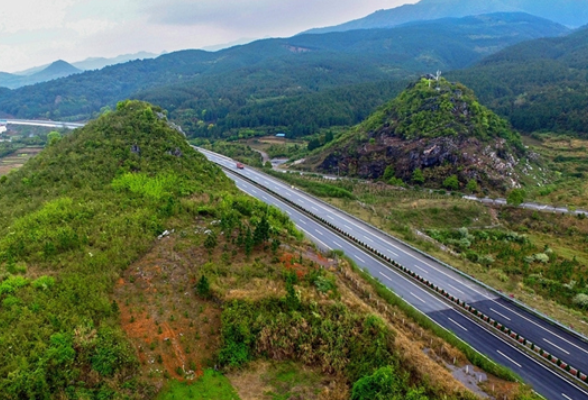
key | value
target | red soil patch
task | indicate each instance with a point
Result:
(174, 333)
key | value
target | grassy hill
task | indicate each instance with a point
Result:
(213, 93)
(538, 85)
(434, 132)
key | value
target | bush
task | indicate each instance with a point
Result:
(451, 183)
(383, 384)
(581, 300)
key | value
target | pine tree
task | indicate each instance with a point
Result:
(418, 177)
(248, 242)
(203, 287)
(261, 233)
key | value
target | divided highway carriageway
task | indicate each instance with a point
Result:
(553, 339)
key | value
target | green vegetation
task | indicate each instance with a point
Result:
(330, 336)
(538, 257)
(336, 189)
(212, 385)
(236, 151)
(509, 253)
(440, 108)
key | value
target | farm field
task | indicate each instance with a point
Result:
(17, 159)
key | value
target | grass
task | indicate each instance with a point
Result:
(289, 379)
(211, 386)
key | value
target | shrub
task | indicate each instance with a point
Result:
(581, 300)
(383, 384)
(451, 183)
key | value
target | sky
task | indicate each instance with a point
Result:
(38, 32)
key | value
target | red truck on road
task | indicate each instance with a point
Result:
(240, 165)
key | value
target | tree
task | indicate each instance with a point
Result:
(268, 165)
(451, 183)
(418, 177)
(329, 137)
(210, 242)
(516, 197)
(261, 232)
(472, 186)
(248, 242)
(53, 137)
(389, 173)
(313, 144)
(203, 287)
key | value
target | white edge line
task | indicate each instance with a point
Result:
(509, 359)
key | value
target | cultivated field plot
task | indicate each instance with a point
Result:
(17, 159)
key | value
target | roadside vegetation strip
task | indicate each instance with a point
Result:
(514, 301)
(423, 320)
(507, 332)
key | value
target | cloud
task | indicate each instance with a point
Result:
(36, 32)
(261, 15)
(33, 15)
(89, 27)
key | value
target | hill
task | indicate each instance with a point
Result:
(95, 201)
(434, 132)
(538, 85)
(571, 13)
(56, 70)
(212, 93)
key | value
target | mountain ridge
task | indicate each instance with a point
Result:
(55, 70)
(566, 13)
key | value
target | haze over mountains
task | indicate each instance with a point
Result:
(60, 69)
(572, 13)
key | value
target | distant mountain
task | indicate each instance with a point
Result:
(539, 85)
(101, 62)
(56, 70)
(435, 128)
(211, 94)
(572, 13)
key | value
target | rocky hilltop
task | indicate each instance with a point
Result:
(434, 130)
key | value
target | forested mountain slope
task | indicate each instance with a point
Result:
(212, 92)
(539, 85)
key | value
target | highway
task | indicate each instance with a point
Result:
(48, 124)
(545, 382)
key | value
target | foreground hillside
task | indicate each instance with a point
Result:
(434, 133)
(538, 85)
